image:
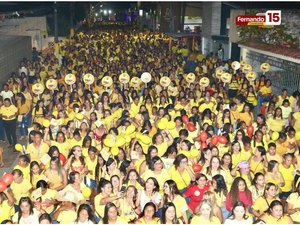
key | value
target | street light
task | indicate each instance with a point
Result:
(96, 14)
(109, 11)
(140, 12)
(105, 12)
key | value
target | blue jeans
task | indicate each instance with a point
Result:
(2, 132)
(24, 124)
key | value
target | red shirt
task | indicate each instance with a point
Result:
(243, 197)
(196, 195)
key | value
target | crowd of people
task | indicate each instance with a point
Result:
(123, 152)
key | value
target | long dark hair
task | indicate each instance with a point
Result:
(25, 199)
(89, 211)
(221, 184)
(239, 203)
(165, 207)
(234, 191)
(107, 207)
(173, 189)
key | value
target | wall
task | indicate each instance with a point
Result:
(12, 50)
(35, 27)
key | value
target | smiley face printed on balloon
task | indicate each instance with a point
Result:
(204, 82)
(251, 76)
(38, 89)
(265, 67)
(165, 81)
(107, 81)
(135, 82)
(219, 73)
(247, 68)
(242, 64)
(235, 65)
(146, 77)
(70, 79)
(88, 79)
(190, 78)
(51, 84)
(226, 77)
(124, 78)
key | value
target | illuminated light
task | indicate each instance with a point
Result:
(109, 11)
(105, 12)
(96, 14)
(141, 12)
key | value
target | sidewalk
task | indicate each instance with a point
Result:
(10, 159)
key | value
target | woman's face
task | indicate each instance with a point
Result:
(149, 212)
(170, 213)
(277, 211)
(236, 147)
(272, 191)
(138, 148)
(205, 210)
(83, 215)
(158, 165)
(239, 136)
(153, 153)
(132, 176)
(276, 167)
(227, 160)
(115, 181)
(112, 213)
(78, 152)
(260, 181)
(35, 169)
(77, 179)
(166, 189)
(239, 212)
(215, 163)
(53, 165)
(201, 181)
(184, 146)
(150, 185)
(107, 189)
(112, 166)
(60, 138)
(259, 136)
(214, 151)
(241, 186)
(25, 207)
(121, 155)
(208, 154)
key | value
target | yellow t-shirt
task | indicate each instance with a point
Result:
(67, 217)
(161, 178)
(275, 124)
(91, 165)
(100, 208)
(202, 220)
(8, 111)
(269, 219)
(276, 157)
(49, 195)
(6, 211)
(162, 148)
(262, 204)
(182, 180)
(25, 171)
(180, 204)
(37, 153)
(294, 200)
(288, 176)
(63, 148)
(21, 190)
(296, 116)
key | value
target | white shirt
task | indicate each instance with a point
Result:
(145, 199)
(6, 94)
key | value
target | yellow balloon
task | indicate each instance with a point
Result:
(18, 147)
(46, 123)
(160, 125)
(145, 139)
(108, 142)
(171, 125)
(86, 192)
(297, 136)
(114, 150)
(164, 120)
(194, 153)
(138, 135)
(120, 141)
(275, 136)
(127, 138)
(130, 129)
(79, 116)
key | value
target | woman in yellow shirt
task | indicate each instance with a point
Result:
(273, 175)
(56, 175)
(181, 172)
(258, 162)
(276, 123)
(24, 108)
(148, 215)
(246, 115)
(293, 207)
(6, 205)
(168, 215)
(275, 214)
(262, 203)
(39, 112)
(205, 215)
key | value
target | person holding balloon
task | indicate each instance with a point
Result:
(6, 201)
